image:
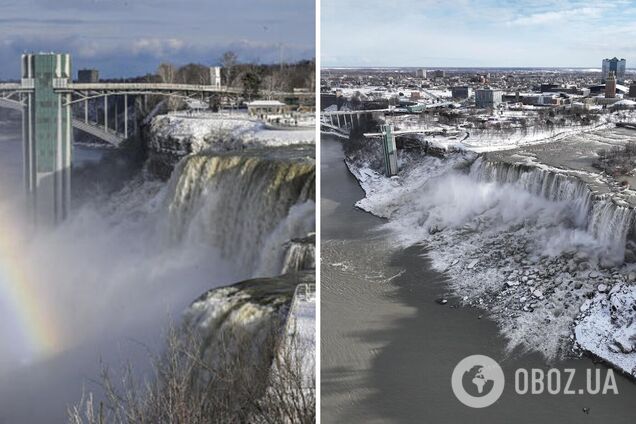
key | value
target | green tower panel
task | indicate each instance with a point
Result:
(48, 135)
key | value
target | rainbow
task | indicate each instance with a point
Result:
(36, 322)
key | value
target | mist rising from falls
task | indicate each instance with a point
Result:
(548, 185)
(117, 269)
(606, 221)
(524, 243)
(470, 194)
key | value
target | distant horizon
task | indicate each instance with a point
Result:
(433, 67)
(476, 33)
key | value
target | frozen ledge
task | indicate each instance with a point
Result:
(607, 327)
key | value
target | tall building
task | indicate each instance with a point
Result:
(420, 73)
(487, 98)
(47, 136)
(610, 86)
(88, 75)
(614, 65)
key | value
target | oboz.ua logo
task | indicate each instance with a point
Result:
(478, 381)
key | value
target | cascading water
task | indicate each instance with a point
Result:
(111, 275)
(300, 255)
(610, 225)
(249, 206)
(523, 241)
(548, 184)
(608, 222)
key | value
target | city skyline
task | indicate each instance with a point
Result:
(466, 33)
(146, 32)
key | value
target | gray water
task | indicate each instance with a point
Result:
(388, 349)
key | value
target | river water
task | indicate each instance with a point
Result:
(388, 349)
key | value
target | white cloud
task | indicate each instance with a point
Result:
(560, 16)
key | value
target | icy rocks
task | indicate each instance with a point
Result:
(472, 264)
(602, 288)
(581, 256)
(608, 326)
(572, 266)
(584, 266)
(626, 340)
(608, 263)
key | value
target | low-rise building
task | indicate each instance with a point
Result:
(461, 92)
(487, 98)
(262, 108)
(88, 75)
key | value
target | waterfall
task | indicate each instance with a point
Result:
(242, 318)
(247, 205)
(610, 224)
(301, 254)
(607, 221)
(550, 185)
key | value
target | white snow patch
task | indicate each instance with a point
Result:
(608, 327)
(207, 130)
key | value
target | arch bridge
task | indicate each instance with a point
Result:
(46, 96)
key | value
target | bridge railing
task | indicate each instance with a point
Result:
(146, 86)
(60, 83)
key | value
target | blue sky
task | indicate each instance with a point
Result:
(429, 33)
(131, 37)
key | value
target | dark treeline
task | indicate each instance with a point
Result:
(250, 77)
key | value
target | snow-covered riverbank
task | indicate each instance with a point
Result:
(532, 257)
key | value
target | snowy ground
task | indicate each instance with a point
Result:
(491, 140)
(181, 132)
(380, 92)
(608, 327)
(301, 332)
(518, 255)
